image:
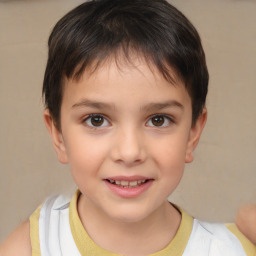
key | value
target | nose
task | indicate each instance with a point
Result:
(128, 147)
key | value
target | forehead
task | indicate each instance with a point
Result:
(114, 79)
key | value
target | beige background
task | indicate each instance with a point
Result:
(223, 174)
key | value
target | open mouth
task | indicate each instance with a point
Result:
(126, 183)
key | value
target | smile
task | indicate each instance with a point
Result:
(128, 187)
(126, 183)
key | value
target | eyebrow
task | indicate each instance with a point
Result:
(92, 104)
(162, 105)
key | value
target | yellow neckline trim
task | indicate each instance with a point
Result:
(87, 246)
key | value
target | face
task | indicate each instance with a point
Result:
(126, 134)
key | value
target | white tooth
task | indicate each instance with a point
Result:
(143, 181)
(133, 183)
(124, 183)
(112, 181)
(118, 182)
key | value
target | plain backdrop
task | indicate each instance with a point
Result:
(223, 174)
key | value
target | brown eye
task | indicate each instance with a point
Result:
(96, 121)
(159, 121)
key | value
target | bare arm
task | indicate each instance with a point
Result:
(246, 221)
(18, 242)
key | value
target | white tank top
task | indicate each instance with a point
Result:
(194, 238)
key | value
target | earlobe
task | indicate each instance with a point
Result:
(56, 137)
(194, 136)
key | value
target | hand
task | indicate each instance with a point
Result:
(246, 221)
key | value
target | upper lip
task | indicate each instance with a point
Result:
(128, 178)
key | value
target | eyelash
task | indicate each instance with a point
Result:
(104, 119)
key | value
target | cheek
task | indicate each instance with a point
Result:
(170, 159)
(85, 154)
(171, 151)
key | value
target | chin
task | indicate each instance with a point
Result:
(129, 215)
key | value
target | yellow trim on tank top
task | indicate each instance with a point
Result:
(34, 232)
(87, 246)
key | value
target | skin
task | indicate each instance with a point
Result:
(18, 242)
(246, 221)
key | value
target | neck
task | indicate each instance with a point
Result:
(134, 238)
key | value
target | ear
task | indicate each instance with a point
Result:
(194, 136)
(56, 136)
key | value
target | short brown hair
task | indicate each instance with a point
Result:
(98, 29)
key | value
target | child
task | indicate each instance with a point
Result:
(125, 88)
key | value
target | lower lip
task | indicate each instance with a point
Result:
(129, 192)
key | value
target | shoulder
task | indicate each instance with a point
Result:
(248, 246)
(225, 238)
(25, 239)
(18, 242)
(246, 221)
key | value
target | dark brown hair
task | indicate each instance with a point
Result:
(98, 29)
